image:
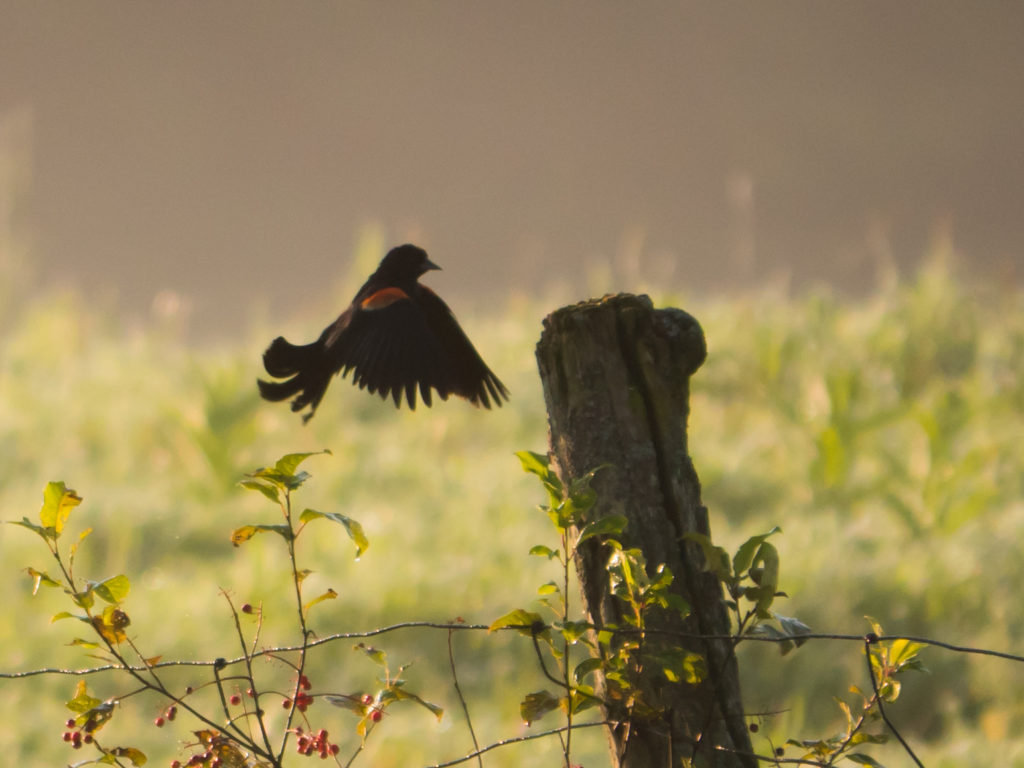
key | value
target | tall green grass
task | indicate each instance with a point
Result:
(881, 434)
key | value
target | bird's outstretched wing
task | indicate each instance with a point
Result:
(391, 350)
(467, 374)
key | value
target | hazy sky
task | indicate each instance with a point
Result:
(224, 148)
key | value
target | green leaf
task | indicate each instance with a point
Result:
(283, 474)
(535, 463)
(401, 693)
(66, 615)
(378, 656)
(548, 589)
(58, 501)
(287, 464)
(537, 704)
(572, 631)
(539, 464)
(584, 668)
(525, 622)
(867, 760)
(352, 527)
(267, 489)
(540, 549)
(82, 702)
(767, 560)
(583, 698)
(676, 603)
(113, 590)
(246, 532)
(902, 652)
(610, 525)
(85, 599)
(26, 523)
(745, 554)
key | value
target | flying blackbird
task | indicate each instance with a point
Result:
(396, 336)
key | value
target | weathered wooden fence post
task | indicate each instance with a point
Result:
(616, 375)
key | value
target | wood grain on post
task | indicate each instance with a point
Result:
(615, 373)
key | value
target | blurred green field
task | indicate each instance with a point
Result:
(882, 434)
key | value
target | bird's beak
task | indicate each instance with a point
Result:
(429, 265)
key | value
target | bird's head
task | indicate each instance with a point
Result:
(405, 263)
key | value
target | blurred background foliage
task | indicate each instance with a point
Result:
(882, 434)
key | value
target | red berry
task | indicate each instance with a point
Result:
(87, 738)
(66, 736)
(250, 693)
(376, 715)
(159, 722)
(287, 703)
(367, 699)
(335, 749)
(235, 699)
(246, 608)
(175, 764)
(70, 723)
(321, 734)
(171, 713)
(304, 683)
(189, 690)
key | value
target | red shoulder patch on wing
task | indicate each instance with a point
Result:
(383, 298)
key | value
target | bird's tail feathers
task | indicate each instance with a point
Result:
(283, 358)
(305, 368)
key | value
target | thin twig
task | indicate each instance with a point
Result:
(250, 678)
(462, 699)
(516, 740)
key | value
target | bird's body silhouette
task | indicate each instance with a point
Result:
(396, 336)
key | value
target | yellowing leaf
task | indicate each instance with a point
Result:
(330, 594)
(58, 501)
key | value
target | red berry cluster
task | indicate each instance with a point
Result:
(308, 743)
(76, 737)
(302, 699)
(169, 714)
